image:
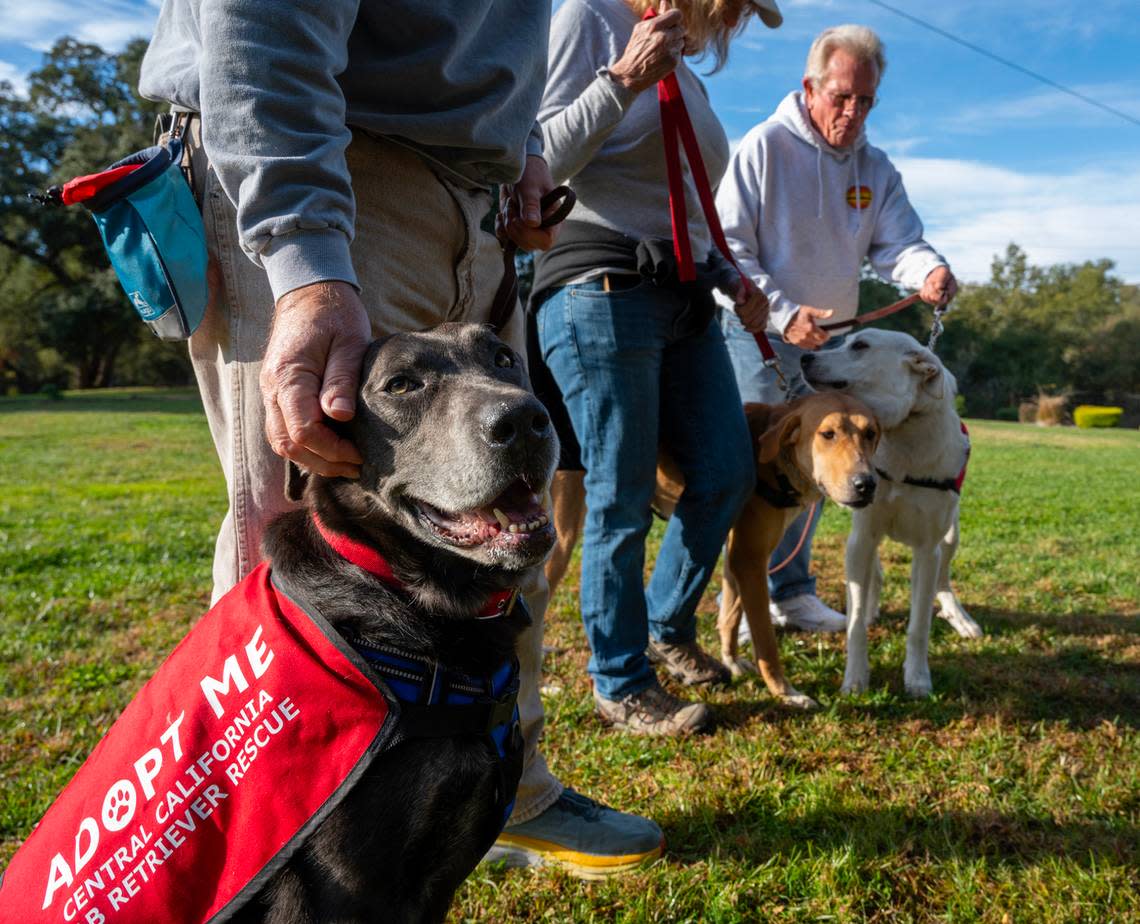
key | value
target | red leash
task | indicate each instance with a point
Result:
(675, 122)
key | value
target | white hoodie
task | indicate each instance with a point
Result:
(792, 216)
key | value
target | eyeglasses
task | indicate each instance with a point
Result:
(862, 104)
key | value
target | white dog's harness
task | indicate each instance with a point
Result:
(938, 484)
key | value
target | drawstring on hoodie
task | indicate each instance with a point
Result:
(819, 182)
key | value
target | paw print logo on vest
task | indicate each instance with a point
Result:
(119, 806)
(859, 197)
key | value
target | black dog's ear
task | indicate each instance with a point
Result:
(295, 480)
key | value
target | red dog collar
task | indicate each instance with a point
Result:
(498, 604)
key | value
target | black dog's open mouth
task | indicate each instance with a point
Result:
(514, 516)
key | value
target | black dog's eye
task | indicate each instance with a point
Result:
(870, 433)
(860, 345)
(827, 434)
(504, 359)
(400, 385)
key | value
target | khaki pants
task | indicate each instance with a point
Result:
(421, 259)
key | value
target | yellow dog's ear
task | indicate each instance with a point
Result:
(929, 370)
(783, 431)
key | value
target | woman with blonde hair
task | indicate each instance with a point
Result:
(634, 352)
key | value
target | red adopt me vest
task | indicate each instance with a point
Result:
(248, 735)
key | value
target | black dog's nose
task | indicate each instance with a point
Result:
(503, 423)
(864, 486)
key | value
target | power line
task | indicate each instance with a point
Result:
(1006, 62)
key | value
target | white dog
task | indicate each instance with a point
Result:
(921, 454)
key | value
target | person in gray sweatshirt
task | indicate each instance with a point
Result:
(342, 152)
(804, 201)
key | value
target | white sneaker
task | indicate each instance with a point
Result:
(806, 612)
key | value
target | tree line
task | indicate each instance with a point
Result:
(1070, 329)
(65, 322)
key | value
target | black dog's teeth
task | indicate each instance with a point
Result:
(465, 530)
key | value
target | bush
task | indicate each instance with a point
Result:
(1051, 410)
(1092, 415)
(1006, 413)
(960, 405)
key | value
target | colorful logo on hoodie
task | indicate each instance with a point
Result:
(859, 197)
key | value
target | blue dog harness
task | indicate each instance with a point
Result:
(437, 702)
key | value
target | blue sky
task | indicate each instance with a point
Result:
(988, 155)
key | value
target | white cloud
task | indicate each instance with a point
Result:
(108, 23)
(901, 147)
(15, 76)
(113, 34)
(972, 210)
(1049, 106)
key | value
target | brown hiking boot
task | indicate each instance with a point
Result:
(688, 663)
(652, 711)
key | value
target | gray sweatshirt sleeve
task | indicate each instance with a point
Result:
(535, 143)
(739, 205)
(898, 251)
(582, 105)
(274, 119)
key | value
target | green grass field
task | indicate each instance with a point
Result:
(1012, 795)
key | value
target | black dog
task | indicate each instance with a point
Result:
(458, 453)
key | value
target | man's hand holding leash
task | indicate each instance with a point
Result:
(520, 210)
(939, 287)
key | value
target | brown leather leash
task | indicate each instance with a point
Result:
(875, 315)
(508, 293)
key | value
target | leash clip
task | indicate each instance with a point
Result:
(774, 365)
(936, 326)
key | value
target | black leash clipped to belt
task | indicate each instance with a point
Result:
(508, 293)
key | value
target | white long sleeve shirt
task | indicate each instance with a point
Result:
(800, 217)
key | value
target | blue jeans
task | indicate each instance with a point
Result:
(636, 369)
(759, 383)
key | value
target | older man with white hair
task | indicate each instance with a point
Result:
(804, 201)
